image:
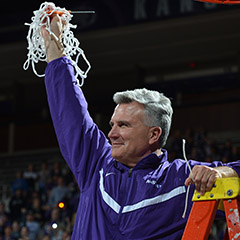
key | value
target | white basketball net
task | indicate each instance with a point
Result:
(36, 47)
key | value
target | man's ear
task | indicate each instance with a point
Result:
(155, 134)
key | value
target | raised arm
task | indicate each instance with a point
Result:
(83, 145)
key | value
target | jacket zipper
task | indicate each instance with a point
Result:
(130, 172)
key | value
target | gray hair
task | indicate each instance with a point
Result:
(158, 109)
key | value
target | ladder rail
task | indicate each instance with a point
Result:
(231, 208)
(201, 217)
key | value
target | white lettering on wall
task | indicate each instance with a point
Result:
(139, 10)
(162, 8)
(186, 6)
(165, 8)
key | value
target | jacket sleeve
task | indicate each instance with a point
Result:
(83, 146)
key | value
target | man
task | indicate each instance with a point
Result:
(129, 190)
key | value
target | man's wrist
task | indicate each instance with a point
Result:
(226, 172)
(54, 50)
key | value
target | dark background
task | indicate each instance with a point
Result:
(188, 50)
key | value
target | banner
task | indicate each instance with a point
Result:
(124, 12)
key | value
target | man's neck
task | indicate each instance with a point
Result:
(158, 152)
(130, 164)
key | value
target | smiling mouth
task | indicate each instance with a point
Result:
(117, 144)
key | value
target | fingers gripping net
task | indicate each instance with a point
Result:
(36, 47)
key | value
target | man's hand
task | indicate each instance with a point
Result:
(53, 44)
(204, 177)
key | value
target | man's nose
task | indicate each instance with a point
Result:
(113, 133)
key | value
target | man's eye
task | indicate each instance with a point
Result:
(122, 125)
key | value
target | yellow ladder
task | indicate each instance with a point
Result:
(225, 196)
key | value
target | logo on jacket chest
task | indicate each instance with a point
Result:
(153, 182)
(152, 179)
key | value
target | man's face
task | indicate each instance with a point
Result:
(129, 135)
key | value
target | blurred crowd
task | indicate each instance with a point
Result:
(42, 204)
(199, 146)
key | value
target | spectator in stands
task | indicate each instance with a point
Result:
(7, 233)
(17, 205)
(44, 173)
(50, 184)
(15, 230)
(56, 171)
(176, 145)
(55, 225)
(66, 236)
(3, 212)
(225, 159)
(44, 176)
(31, 176)
(208, 159)
(227, 151)
(19, 183)
(24, 233)
(4, 222)
(196, 154)
(68, 176)
(200, 138)
(37, 210)
(33, 226)
(214, 153)
(58, 193)
(235, 153)
(46, 237)
(189, 137)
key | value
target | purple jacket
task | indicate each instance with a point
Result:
(146, 202)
